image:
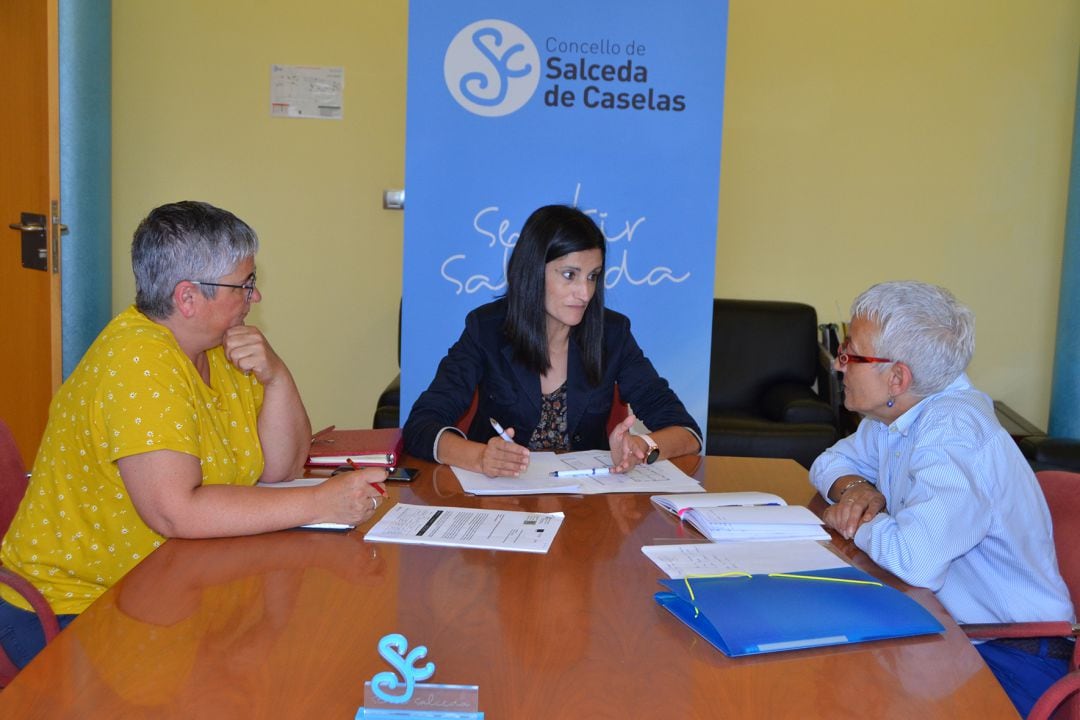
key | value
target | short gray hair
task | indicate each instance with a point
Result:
(922, 326)
(186, 240)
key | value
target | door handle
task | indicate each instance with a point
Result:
(28, 227)
(61, 227)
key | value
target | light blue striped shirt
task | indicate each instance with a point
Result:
(964, 514)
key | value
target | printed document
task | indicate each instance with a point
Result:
(660, 477)
(785, 556)
(467, 527)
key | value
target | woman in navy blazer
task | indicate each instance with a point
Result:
(544, 361)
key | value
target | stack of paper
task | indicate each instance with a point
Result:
(540, 478)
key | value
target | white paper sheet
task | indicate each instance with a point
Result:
(660, 477)
(314, 93)
(678, 561)
(467, 527)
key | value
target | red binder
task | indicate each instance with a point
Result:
(362, 447)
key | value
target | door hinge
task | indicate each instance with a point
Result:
(58, 228)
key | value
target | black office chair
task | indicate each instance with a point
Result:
(772, 391)
(1051, 453)
(388, 406)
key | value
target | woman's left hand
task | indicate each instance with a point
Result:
(626, 450)
(856, 506)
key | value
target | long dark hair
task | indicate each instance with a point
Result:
(550, 233)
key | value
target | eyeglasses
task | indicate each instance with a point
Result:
(844, 357)
(249, 286)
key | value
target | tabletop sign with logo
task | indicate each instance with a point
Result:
(399, 694)
(612, 106)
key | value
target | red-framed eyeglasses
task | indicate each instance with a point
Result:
(844, 357)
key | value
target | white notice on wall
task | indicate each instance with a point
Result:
(301, 91)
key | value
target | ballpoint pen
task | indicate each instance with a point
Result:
(499, 429)
(354, 466)
(585, 472)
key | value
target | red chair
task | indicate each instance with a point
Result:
(13, 480)
(1061, 701)
(1062, 491)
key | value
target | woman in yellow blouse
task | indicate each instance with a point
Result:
(173, 414)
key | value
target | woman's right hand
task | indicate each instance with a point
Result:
(504, 459)
(352, 498)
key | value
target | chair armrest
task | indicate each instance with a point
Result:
(8, 671)
(988, 631)
(1051, 453)
(391, 394)
(49, 624)
(388, 407)
(1057, 695)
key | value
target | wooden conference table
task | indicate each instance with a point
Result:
(285, 625)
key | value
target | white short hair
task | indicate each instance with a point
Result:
(922, 326)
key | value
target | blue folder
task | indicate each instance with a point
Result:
(753, 614)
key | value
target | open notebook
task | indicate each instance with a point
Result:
(744, 516)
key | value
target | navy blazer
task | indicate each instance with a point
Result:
(482, 360)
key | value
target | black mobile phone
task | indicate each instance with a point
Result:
(403, 474)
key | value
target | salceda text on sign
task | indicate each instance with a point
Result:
(592, 95)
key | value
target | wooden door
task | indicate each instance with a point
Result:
(30, 354)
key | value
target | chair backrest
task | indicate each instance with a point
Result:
(1062, 491)
(12, 477)
(757, 344)
(619, 411)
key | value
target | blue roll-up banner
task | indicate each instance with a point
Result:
(613, 107)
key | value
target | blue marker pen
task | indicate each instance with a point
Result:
(499, 429)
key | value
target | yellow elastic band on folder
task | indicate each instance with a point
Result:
(690, 590)
(825, 579)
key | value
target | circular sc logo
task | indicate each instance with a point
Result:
(491, 68)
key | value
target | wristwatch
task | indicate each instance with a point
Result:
(654, 449)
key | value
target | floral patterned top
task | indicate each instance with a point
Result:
(550, 433)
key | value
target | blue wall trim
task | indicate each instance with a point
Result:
(1065, 392)
(85, 172)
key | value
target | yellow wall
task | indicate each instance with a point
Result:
(191, 121)
(863, 141)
